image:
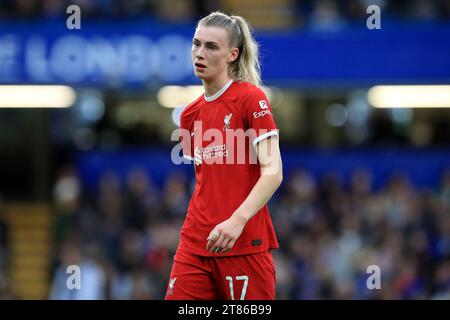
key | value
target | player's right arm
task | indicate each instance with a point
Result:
(223, 237)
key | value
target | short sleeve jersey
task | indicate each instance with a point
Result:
(219, 135)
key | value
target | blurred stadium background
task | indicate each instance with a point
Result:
(92, 184)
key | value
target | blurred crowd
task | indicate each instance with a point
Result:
(310, 12)
(169, 11)
(124, 237)
(331, 233)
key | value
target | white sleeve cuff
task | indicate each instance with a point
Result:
(265, 136)
(188, 157)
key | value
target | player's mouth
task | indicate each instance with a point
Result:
(200, 66)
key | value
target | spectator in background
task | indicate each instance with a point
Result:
(110, 210)
(325, 16)
(444, 193)
(141, 199)
(26, 9)
(54, 9)
(175, 199)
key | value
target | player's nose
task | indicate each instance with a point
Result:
(199, 53)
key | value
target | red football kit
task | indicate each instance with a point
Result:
(219, 135)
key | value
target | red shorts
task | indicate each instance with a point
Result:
(245, 277)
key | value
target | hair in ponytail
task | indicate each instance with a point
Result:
(246, 67)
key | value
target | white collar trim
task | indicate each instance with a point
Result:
(220, 92)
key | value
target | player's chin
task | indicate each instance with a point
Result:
(201, 75)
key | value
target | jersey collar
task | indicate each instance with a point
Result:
(219, 93)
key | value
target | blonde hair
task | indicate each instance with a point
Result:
(246, 67)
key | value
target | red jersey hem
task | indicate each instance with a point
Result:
(202, 253)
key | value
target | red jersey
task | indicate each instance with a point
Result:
(223, 131)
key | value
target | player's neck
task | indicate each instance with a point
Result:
(211, 88)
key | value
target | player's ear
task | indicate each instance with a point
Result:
(234, 54)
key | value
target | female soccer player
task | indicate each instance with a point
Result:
(227, 237)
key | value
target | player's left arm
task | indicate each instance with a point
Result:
(269, 157)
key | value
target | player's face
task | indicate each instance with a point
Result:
(211, 52)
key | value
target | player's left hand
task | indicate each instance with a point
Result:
(223, 237)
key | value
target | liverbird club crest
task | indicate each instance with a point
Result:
(227, 121)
